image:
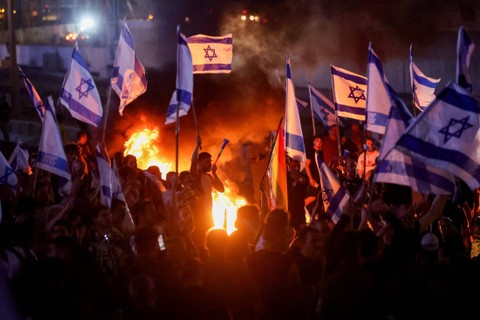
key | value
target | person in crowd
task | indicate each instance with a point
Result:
(313, 160)
(297, 183)
(367, 159)
(205, 176)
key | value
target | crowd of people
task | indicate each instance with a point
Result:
(393, 254)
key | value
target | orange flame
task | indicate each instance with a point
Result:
(142, 144)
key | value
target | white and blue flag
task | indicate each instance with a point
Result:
(322, 107)
(334, 196)
(294, 143)
(7, 174)
(378, 97)
(446, 135)
(32, 92)
(51, 155)
(183, 94)
(423, 87)
(349, 93)
(395, 167)
(110, 185)
(211, 54)
(19, 158)
(79, 93)
(128, 75)
(465, 47)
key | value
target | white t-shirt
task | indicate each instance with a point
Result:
(370, 160)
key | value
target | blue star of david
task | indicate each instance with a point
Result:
(357, 97)
(453, 122)
(4, 178)
(210, 53)
(327, 195)
(84, 93)
(325, 114)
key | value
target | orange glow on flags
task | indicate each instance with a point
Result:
(278, 173)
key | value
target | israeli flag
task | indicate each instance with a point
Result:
(183, 94)
(128, 77)
(334, 196)
(446, 135)
(7, 174)
(32, 92)
(323, 109)
(51, 155)
(465, 47)
(79, 93)
(211, 54)
(294, 143)
(110, 186)
(395, 167)
(349, 93)
(378, 98)
(19, 158)
(423, 87)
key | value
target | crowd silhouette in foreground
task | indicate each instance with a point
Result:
(393, 254)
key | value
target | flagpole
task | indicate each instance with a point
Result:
(107, 112)
(412, 81)
(177, 122)
(336, 118)
(311, 111)
(364, 138)
(195, 121)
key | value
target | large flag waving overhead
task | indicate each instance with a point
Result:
(465, 47)
(378, 97)
(446, 135)
(423, 87)
(395, 167)
(211, 54)
(51, 155)
(79, 93)
(294, 143)
(278, 172)
(322, 107)
(183, 94)
(128, 76)
(334, 196)
(32, 92)
(349, 93)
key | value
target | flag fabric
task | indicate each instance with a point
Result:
(128, 75)
(110, 185)
(334, 196)
(19, 158)
(7, 174)
(300, 103)
(446, 135)
(51, 155)
(32, 92)
(395, 167)
(465, 47)
(423, 87)
(211, 54)
(183, 94)
(294, 143)
(349, 93)
(322, 107)
(79, 93)
(378, 97)
(278, 173)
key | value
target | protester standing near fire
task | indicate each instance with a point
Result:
(205, 174)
